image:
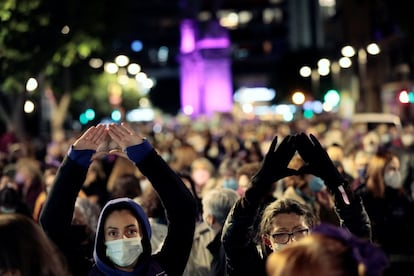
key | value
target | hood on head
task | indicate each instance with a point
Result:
(99, 253)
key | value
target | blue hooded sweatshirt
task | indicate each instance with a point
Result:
(145, 264)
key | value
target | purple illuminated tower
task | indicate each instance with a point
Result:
(205, 69)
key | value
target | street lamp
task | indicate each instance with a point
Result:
(362, 56)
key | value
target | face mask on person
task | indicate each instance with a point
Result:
(230, 183)
(385, 138)
(19, 179)
(124, 252)
(276, 246)
(362, 172)
(407, 139)
(393, 179)
(7, 210)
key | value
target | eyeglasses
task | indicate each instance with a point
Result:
(284, 237)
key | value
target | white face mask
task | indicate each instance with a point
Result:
(276, 246)
(124, 252)
(407, 139)
(371, 148)
(393, 179)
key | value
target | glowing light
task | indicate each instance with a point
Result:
(31, 84)
(136, 46)
(305, 71)
(140, 115)
(345, 62)
(247, 108)
(188, 110)
(298, 98)
(90, 114)
(323, 71)
(141, 76)
(254, 94)
(133, 68)
(28, 106)
(65, 30)
(324, 62)
(95, 63)
(327, 106)
(348, 51)
(404, 97)
(208, 43)
(187, 44)
(122, 60)
(111, 67)
(373, 49)
(332, 97)
(116, 115)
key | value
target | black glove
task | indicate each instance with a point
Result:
(320, 164)
(273, 168)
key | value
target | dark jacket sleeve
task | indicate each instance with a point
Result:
(242, 255)
(180, 208)
(56, 216)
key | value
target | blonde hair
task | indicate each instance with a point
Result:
(314, 255)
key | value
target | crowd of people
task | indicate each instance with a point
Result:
(210, 198)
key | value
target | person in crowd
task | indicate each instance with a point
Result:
(28, 179)
(314, 193)
(26, 250)
(390, 209)
(226, 173)
(182, 157)
(207, 256)
(83, 227)
(252, 151)
(328, 250)
(204, 175)
(122, 243)
(337, 155)
(360, 161)
(121, 166)
(191, 185)
(11, 202)
(96, 182)
(243, 175)
(7, 176)
(310, 190)
(48, 178)
(152, 205)
(405, 153)
(126, 185)
(247, 226)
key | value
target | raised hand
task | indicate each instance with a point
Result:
(91, 138)
(316, 158)
(124, 136)
(275, 163)
(320, 164)
(273, 168)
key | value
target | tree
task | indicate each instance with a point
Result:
(52, 41)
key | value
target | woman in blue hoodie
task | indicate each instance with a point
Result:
(122, 243)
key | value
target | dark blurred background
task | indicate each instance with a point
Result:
(271, 40)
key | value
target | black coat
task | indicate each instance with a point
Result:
(180, 208)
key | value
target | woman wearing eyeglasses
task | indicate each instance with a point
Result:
(284, 221)
(256, 227)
